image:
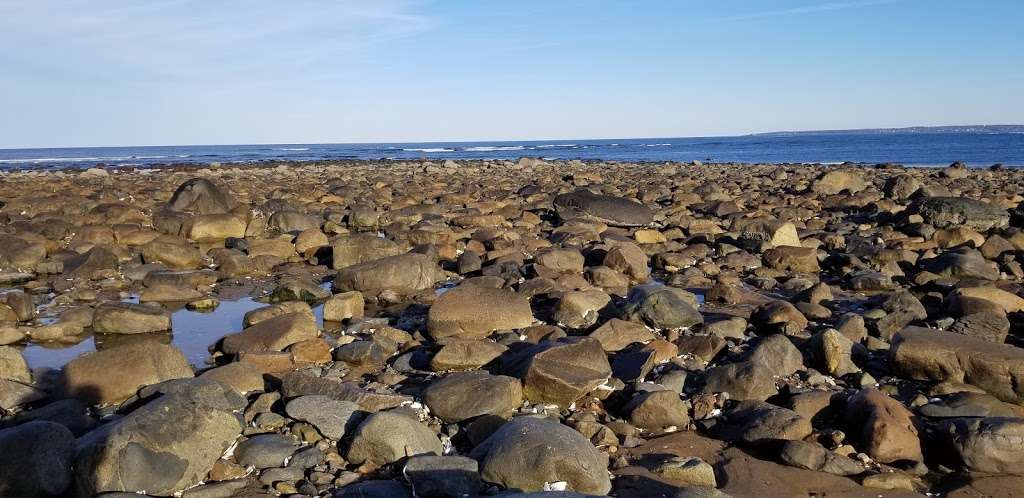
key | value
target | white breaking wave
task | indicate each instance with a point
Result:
(654, 145)
(293, 148)
(552, 146)
(435, 149)
(493, 148)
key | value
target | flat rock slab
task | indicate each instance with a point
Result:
(930, 354)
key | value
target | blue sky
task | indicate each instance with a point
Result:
(154, 72)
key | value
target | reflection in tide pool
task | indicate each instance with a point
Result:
(193, 333)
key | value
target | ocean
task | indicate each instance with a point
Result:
(911, 149)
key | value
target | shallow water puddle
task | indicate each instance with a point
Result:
(192, 332)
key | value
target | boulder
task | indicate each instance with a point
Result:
(744, 381)
(629, 260)
(616, 334)
(610, 210)
(163, 447)
(35, 460)
(662, 307)
(98, 262)
(127, 318)
(353, 249)
(755, 423)
(526, 453)
(404, 274)
(952, 212)
(465, 354)
(580, 309)
(991, 445)
(344, 306)
(387, 437)
(883, 426)
(330, 416)
(928, 354)
(443, 476)
(273, 334)
(200, 196)
(657, 410)
(793, 259)
(115, 374)
(963, 264)
(462, 396)
(214, 227)
(474, 311)
(264, 451)
(778, 317)
(834, 182)
(562, 371)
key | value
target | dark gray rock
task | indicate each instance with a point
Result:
(527, 452)
(662, 307)
(443, 476)
(614, 211)
(266, 450)
(35, 460)
(330, 416)
(200, 196)
(162, 447)
(952, 212)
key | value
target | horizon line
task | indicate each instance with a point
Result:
(664, 137)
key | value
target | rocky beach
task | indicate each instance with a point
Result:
(512, 328)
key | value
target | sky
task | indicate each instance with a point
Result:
(176, 72)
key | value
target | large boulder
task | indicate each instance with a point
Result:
(465, 395)
(35, 460)
(200, 196)
(662, 307)
(115, 374)
(330, 416)
(963, 264)
(16, 387)
(272, 334)
(992, 445)
(214, 227)
(474, 311)
(793, 259)
(163, 447)
(527, 453)
(359, 248)
(756, 422)
(614, 211)
(128, 318)
(952, 212)
(929, 354)
(834, 182)
(883, 426)
(745, 380)
(404, 274)
(387, 437)
(97, 262)
(562, 371)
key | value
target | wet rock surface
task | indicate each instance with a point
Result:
(495, 328)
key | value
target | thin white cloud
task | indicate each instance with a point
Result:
(809, 9)
(189, 39)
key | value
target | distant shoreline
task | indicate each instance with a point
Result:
(907, 130)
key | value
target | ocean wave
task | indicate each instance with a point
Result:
(493, 148)
(552, 146)
(430, 149)
(35, 160)
(293, 148)
(654, 145)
